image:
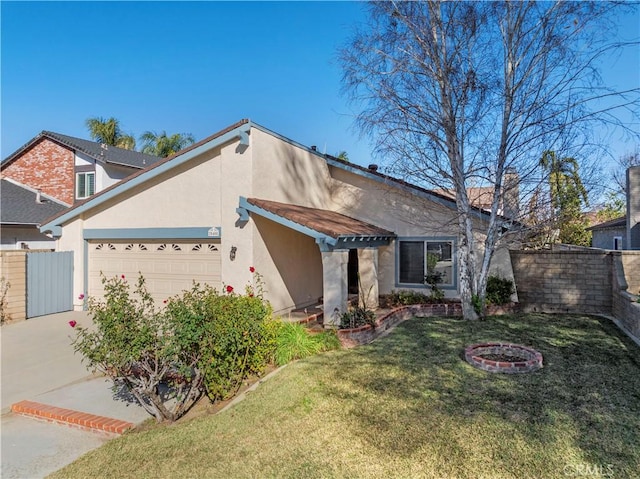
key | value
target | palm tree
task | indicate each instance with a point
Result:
(163, 145)
(565, 184)
(108, 132)
(567, 194)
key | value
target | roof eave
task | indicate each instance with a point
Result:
(245, 206)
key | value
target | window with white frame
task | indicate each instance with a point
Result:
(85, 184)
(418, 258)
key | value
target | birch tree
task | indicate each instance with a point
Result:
(455, 94)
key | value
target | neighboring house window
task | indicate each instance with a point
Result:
(617, 242)
(416, 256)
(85, 184)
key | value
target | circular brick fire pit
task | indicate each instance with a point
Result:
(503, 358)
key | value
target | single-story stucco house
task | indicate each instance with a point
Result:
(310, 224)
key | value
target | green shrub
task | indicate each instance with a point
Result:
(499, 290)
(139, 346)
(295, 342)
(356, 317)
(407, 297)
(239, 340)
(202, 341)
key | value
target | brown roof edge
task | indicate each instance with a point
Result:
(331, 223)
(151, 167)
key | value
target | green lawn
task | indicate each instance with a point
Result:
(409, 406)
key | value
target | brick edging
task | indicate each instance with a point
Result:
(70, 417)
(367, 333)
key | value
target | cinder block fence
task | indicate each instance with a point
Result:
(586, 280)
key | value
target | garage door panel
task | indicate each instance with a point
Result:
(168, 268)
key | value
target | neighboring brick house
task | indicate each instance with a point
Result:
(59, 170)
(71, 169)
(622, 233)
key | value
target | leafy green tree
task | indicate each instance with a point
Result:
(568, 195)
(164, 145)
(614, 207)
(108, 132)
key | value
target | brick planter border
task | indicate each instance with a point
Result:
(365, 334)
(473, 355)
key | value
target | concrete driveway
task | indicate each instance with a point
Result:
(37, 356)
(39, 364)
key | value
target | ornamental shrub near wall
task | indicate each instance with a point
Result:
(202, 341)
(239, 340)
(499, 290)
(137, 345)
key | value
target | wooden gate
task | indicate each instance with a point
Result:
(49, 283)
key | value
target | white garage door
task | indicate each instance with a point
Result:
(168, 267)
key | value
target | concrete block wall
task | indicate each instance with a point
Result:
(563, 281)
(47, 166)
(631, 268)
(625, 307)
(586, 280)
(13, 268)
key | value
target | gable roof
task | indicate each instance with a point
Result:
(110, 154)
(19, 205)
(240, 130)
(614, 223)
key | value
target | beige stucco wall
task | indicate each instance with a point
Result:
(287, 173)
(188, 195)
(406, 214)
(290, 263)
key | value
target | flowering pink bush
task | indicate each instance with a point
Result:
(72, 323)
(81, 296)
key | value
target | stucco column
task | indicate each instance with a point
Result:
(633, 208)
(334, 285)
(368, 271)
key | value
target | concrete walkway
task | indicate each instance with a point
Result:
(40, 366)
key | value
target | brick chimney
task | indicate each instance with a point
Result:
(511, 196)
(633, 207)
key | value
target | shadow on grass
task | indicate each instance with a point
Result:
(412, 390)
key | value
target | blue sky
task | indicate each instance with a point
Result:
(194, 67)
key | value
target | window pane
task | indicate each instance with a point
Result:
(80, 186)
(440, 255)
(412, 262)
(91, 184)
